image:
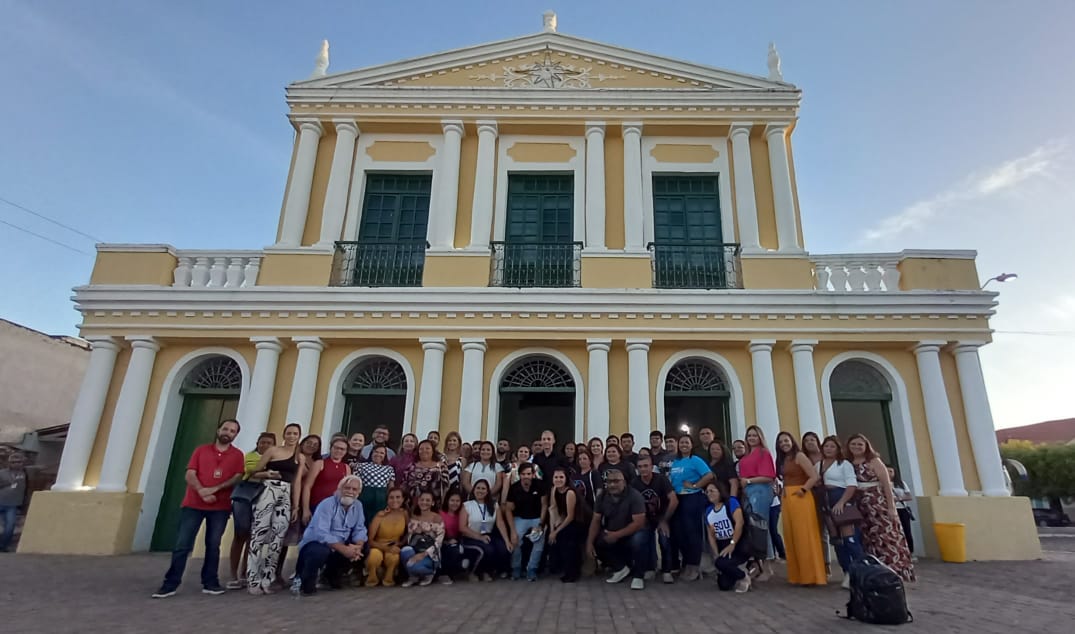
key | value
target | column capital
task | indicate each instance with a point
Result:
(806, 345)
(776, 127)
(934, 345)
(638, 344)
(761, 345)
(434, 343)
(347, 125)
(103, 343)
(487, 126)
(143, 341)
(309, 343)
(967, 346)
(602, 345)
(740, 127)
(311, 125)
(453, 125)
(473, 343)
(597, 127)
(267, 343)
(631, 127)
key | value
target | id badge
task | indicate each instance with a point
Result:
(218, 473)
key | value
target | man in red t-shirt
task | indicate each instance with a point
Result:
(211, 473)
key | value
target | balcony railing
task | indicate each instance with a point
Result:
(694, 265)
(857, 272)
(216, 269)
(540, 264)
(379, 263)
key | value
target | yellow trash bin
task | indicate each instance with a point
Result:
(952, 540)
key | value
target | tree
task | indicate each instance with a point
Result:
(1050, 468)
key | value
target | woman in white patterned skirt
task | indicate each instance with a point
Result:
(275, 509)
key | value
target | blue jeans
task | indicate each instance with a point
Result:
(652, 539)
(424, 568)
(9, 514)
(315, 556)
(848, 549)
(625, 552)
(688, 523)
(776, 541)
(190, 520)
(522, 526)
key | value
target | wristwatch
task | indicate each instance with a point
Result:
(731, 542)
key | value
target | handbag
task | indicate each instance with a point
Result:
(851, 515)
(246, 491)
(421, 542)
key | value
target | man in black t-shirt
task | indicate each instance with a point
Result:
(662, 458)
(546, 457)
(526, 514)
(617, 531)
(661, 502)
(627, 448)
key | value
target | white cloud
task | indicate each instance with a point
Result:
(1005, 177)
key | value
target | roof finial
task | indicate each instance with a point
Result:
(321, 65)
(549, 21)
(774, 64)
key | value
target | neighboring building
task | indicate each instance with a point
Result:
(539, 232)
(1051, 431)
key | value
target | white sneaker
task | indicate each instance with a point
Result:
(743, 585)
(408, 583)
(650, 575)
(445, 580)
(426, 580)
(619, 575)
(667, 577)
(690, 573)
(638, 584)
(846, 583)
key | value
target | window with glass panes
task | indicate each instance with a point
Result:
(396, 208)
(540, 208)
(686, 208)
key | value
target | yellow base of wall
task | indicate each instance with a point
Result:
(998, 529)
(616, 272)
(80, 523)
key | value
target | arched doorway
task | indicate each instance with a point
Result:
(696, 395)
(375, 393)
(536, 394)
(861, 404)
(210, 395)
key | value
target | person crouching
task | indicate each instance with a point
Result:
(335, 538)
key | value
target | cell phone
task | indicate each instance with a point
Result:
(392, 543)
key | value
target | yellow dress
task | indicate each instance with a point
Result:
(802, 535)
(391, 529)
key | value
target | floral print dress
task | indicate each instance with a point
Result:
(882, 535)
(420, 479)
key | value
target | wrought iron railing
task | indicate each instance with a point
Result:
(695, 265)
(537, 264)
(381, 263)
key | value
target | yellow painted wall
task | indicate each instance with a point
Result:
(468, 167)
(795, 189)
(618, 390)
(322, 168)
(955, 402)
(730, 179)
(93, 467)
(456, 270)
(616, 272)
(287, 186)
(763, 189)
(996, 529)
(938, 274)
(133, 267)
(684, 153)
(777, 273)
(541, 152)
(295, 269)
(401, 151)
(614, 230)
(784, 377)
(450, 396)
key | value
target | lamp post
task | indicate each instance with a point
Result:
(1003, 277)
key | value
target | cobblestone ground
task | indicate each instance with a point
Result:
(65, 594)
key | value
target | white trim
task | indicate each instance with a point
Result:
(125, 247)
(719, 166)
(162, 437)
(899, 412)
(505, 165)
(334, 400)
(493, 427)
(365, 163)
(736, 408)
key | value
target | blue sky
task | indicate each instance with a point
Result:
(923, 125)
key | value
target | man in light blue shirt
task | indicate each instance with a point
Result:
(335, 539)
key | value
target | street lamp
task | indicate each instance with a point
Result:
(1003, 277)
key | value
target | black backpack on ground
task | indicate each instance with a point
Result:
(877, 594)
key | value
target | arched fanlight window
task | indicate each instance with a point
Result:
(695, 377)
(378, 375)
(857, 380)
(538, 374)
(215, 375)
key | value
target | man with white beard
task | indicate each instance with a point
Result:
(335, 539)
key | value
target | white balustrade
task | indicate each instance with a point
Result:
(857, 272)
(216, 269)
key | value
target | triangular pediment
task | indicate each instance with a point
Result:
(545, 61)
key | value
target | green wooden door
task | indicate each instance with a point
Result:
(200, 417)
(538, 240)
(687, 233)
(392, 233)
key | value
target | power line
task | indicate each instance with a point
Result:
(1043, 333)
(45, 238)
(53, 221)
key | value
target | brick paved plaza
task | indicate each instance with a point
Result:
(65, 594)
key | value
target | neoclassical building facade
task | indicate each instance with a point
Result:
(540, 232)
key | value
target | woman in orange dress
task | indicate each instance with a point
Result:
(802, 535)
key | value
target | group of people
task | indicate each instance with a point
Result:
(365, 513)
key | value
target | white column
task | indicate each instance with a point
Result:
(983, 438)
(470, 402)
(339, 183)
(633, 216)
(127, 418)
(442, 229)
(595, 185)
(262, 385)
(300, 405)
(746, 207)
(942, 430)
(783, 199)
(481, 215)
(433, 350)
(766, 414)
(806, 400)
(638, 407)
(597, 418)
(297, 203)
(86, 415)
